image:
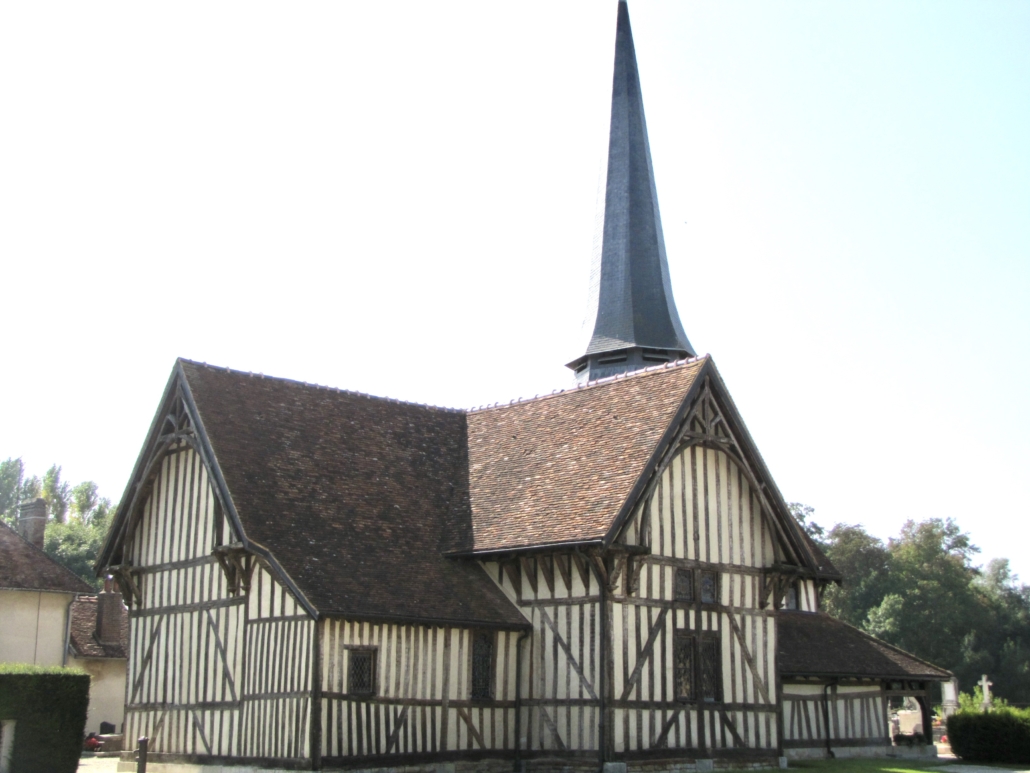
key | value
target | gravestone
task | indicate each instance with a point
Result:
(986, 705)
(949, 697)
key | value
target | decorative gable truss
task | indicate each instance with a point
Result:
(202, 596)
(709, 420)
(174, 432)
(177, 430)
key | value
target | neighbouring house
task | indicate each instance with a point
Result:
(98, 643)
(605, 575)
(49, 617)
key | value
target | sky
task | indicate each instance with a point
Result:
(398, 198)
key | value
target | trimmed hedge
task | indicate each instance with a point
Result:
(1000, 735)
(49, 706)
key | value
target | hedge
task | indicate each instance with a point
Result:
(49, 706)
(1000, 735)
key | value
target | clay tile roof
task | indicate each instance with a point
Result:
(84, 623)
(815, 644)
(23, 566)
(357, 497)
(559, 468)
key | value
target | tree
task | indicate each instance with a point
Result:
(802, 513)
(864, 562)
(921, 591)
(76, 545)
(84, 500)
(11, 473)
(56, 493)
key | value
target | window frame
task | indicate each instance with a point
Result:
(690, 597)
(491, 679)
(697, 643)
(701, 587)
(373, 656)
(688, 637)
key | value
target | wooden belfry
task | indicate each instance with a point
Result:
(608, 574)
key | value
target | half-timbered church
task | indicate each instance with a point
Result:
(604, 576)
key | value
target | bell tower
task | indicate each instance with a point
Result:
(637, 323)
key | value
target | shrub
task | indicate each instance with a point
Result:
(49, 706)
(1001, 735)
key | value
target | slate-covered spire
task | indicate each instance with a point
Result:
(637, 323)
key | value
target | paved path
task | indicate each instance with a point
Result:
(98, 764)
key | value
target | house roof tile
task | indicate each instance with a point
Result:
(815, 644)
(23, 566)
(358, 497)
(84, 623)
(559, 468)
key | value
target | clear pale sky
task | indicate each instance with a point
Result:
(398, 198)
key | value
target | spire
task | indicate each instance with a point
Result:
(637, 323)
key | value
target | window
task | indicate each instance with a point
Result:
(361, 677)
(684, 590)
(710, 671)
(698, 665)
(684, 657)
(791, 602)
(709, 588)
(482, 665)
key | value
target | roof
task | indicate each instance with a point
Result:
(23, 566)
(359, 496)
(815, 644)
(84, 623)
(561, 467)
(631, 288)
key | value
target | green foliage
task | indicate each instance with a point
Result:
(864, 561)
(802, 513)
(28, 668)
(31, 488)
(56, 493)
(1002, 735)
(973, 701)
(84, 499)
(77, 544)
(73, 541)
(49, 707)
(921, 591)
(11, 473)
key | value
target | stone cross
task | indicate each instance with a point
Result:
(987, 692)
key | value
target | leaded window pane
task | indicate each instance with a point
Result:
(361, 672)
(709, 587)
(684, 585)
(710, 669)
(482, 665)
(684, 657)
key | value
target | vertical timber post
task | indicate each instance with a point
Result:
(316, 695)
(141, 755)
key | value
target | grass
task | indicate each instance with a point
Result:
(883, 765)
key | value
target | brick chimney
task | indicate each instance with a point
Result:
(109, 614)
(32, 521)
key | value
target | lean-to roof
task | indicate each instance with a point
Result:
(23, 566)
(357, 497)
(815, 644)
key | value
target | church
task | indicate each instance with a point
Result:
(603, 578)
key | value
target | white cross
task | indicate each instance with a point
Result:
(987, 692)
